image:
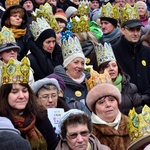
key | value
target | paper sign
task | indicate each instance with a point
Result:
(54, 115)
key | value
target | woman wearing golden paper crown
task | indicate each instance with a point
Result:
(73, 74)
(109, 124)
(45, 52)
(130, 97)
(75, 129)
(19, 104)
(15, 18)
(9, 49)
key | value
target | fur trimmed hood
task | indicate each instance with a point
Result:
(100, 91)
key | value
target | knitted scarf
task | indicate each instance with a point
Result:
(18, 32)
(118, 83)
(27, 127)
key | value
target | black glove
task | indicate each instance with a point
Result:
(145, 99)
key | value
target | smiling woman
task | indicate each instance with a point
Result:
(19, 104)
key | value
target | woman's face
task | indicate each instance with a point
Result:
(141, 10)
(77, 136)
(58, 37)
(75, 68)
(15, 20)
(6, 55)
(18, 98)
(106, 108)
(112, 69)
(62, 25)
(49, 44)
(48, 98)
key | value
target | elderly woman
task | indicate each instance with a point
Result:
(143, 12)
(15, 18)
(47, 91)
(109, 125)
(75, 131)
(73, 74)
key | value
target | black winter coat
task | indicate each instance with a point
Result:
(42, 62)
(130, 97)
(135, 61)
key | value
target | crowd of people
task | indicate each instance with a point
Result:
(55, 54)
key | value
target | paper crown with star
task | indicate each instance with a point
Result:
(83, 8)
(45, 11)
(97, 78)
(139, 124)
(104, 53)
(38, 26)
(15, 72)
(9, 3)
(129, 13)
(110, 11)
(80, 24)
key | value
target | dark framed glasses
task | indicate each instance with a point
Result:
(74, 135)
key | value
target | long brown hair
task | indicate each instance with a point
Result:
(32, 107)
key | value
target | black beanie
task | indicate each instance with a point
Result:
(23, 1)
(43, 36)
(113, 21)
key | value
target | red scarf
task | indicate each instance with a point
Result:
(32, 134)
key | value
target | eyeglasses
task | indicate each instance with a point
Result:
(14, 50)
(74, 135)
(133, 29)
(47, 97)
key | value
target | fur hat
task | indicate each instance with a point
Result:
(60, 15)
(100, 91)
(45, 81)
(59, 79)
(142, 143)
(70, 10)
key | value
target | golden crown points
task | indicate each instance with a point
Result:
(71, 46)
(110, 11)
(129, 13)
(104, 53)
(97, 78)
(6, 36)
(84, 8)
(139, 124)
(80, 24)
(38, 26)
(45, 11)
(9, 3)
(15, 71)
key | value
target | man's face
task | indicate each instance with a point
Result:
(131, 2)
(94, 4)
(132, 34)
(107, 27)
(28, 5)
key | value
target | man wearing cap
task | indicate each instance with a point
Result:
(132, 55)
(109, 24)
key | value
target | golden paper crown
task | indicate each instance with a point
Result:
(110, 11)
(97, 78)
(81, 24)
(84, 8)
(139, 124)
(45, 11)
(104, 53)
(15, 72)
(38, 26)
(129, 13)
(9, 3)
(70, 46)
(6, 36)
